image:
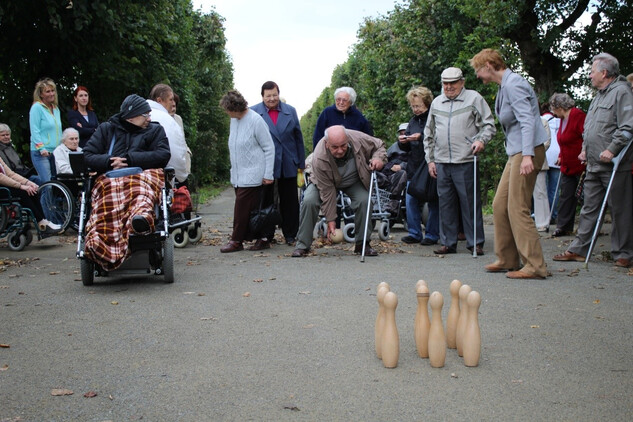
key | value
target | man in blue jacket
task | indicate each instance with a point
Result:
(285, 130)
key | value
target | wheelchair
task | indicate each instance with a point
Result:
(379, 199)
(150, 253)
(16, 222)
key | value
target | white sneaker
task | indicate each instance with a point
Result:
(54, 226)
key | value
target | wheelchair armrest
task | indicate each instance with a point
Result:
(5, 194)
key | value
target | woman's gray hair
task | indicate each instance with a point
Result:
(5, 128)
(605, 61)
(68, 132)
(348, 90)
(563, 101)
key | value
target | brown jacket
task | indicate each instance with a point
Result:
(325, 173)
(9, 178)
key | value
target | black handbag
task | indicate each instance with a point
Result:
(263, 220)
(422, 186)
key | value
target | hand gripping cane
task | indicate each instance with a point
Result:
(616, 163)
(368, 216)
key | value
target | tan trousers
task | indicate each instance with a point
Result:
(516, 238)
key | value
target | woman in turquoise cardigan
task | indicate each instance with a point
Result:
(46, 128)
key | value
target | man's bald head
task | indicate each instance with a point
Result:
(336, 141)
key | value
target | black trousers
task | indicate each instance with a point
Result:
(285, 194)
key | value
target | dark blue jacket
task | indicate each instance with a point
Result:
(87, 127)
(288, 140)
(351, 119)
(146, 148)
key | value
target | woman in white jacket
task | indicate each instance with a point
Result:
(252, 154)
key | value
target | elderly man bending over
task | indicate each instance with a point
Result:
(343, 160)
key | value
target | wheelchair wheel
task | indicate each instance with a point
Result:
(57, 203)
(320, 229)
(180, 238)
(17, 241)
(195, 234)
(349, 233)
(87, 272)
(29, 236)
(168, 260)
(383, 232)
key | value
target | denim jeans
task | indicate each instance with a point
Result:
(45, 167)
(414, 219)
(552, 180)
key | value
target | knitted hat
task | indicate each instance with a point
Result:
(133, 106)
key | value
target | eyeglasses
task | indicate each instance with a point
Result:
(146, 115)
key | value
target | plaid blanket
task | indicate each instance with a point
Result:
(114, 203)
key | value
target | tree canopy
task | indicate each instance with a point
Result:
(116, 48)
(548, 41)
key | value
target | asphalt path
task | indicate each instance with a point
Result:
(264, 336)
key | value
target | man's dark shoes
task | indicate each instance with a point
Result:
(559, 233)
(260, 245)
(290, 240)
(369, 251)
(428, 242)
(622, 262)
(232, 246)
(444, 250)
(300, 253)
(410, 239)
(480, 250)
(140, 224)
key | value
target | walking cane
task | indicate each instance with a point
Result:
(471, 142)
(616, 162)
(553, 205)
(368, 216)
(475, 206)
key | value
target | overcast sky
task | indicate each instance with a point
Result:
(296, 43)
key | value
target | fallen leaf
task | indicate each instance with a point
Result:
(258, 280)
(273, 278)
(4, 367)
(247, 294)
(208, 319)
(202, 294)
(90, 394)
(189, 293)
(114, 302)
(61, 392)
(535, 326)
(4, 346)
(454, 375)
(304, 293)
(110, 397)
(309, 326)
(517, 381)
(596, 301)
(53, 273)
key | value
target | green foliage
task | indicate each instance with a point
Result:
(545, 40)
(116, 48)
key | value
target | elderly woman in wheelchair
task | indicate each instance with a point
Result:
(128, 197)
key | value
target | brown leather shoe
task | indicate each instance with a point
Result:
(369, 251)
(444, 250)
(480, 250)
(232, 246)
(569, 256)
(260, 245)
(623, 262)
(300, 253)
(520, 275)
(496, 268)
